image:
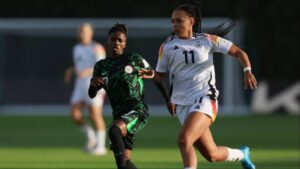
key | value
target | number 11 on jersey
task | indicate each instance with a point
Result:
(187, 55)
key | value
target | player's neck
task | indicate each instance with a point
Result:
(187, 35)
(116, 55)
(85, 43)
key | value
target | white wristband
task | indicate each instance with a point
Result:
(153, 74)
(247, 69)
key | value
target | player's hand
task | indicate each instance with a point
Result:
(249, 80)
(146, 73)
(67, 78)
(68, 75)
(97, 82)
(172, 108)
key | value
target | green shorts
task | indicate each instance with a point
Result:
(135, 120)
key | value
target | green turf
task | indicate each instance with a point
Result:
(54, 142)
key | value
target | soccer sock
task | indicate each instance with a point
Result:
(88, 131)
(100, 135)
(189, 168)
(115, 136)
(235, 155)
(130, 165)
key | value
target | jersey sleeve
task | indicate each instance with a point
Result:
(219, 44)
(162, 63)
(143, 62)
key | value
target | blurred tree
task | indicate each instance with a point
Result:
(272, 29)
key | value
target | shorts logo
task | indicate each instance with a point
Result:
(197, 107)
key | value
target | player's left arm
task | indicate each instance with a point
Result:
(249, 78)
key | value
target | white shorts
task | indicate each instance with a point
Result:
(80, 94)
(203, 105)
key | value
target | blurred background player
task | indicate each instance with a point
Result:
(85, 54)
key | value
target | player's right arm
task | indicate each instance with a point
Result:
(95, 85)
(161, 69)
(158, 77)
(97, 81)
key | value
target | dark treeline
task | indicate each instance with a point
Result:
(272, 28)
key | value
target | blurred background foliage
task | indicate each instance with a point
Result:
(272, 27)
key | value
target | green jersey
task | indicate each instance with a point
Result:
(123, 85)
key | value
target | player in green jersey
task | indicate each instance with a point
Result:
(118, 75)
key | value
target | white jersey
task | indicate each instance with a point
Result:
(86, 56)
(189, 63)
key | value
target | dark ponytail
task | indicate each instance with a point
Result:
(224, 28)
(195, 11)
(198, 17)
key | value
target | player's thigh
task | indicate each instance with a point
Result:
(194, 126)
(77, 107)
(120, 124)
(135, 120)
(94, 111)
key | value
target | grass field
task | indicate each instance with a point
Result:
(54, 142)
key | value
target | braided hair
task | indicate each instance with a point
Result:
(118, 27)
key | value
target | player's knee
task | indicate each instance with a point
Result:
(76, 116)
(183, 141)
(114, 132)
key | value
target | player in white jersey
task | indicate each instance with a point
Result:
(188, 58)
(85, 55)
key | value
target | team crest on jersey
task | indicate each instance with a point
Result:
(128, 69)
(198, 43)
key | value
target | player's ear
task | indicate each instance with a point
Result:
(125, 43)
(192, 20)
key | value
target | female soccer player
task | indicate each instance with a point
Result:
(188, 58)
(85, 55)
(118, 75)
